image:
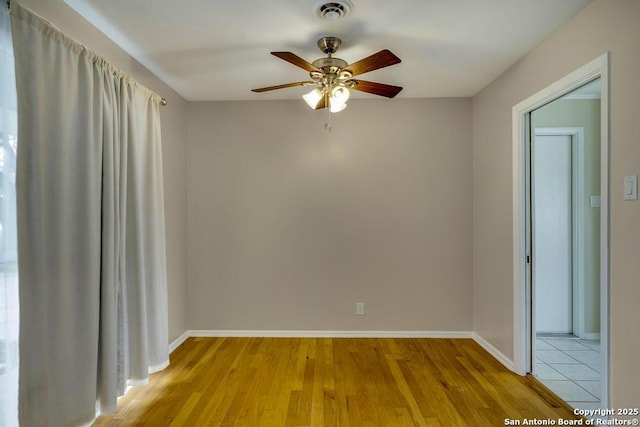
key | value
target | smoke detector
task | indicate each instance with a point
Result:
(332, 10)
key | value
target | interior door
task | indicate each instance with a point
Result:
(552, 234)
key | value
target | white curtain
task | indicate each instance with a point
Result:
(91, 246)
(8, 249)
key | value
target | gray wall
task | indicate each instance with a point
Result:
(291, 225)
(173, 118)
(604, 25)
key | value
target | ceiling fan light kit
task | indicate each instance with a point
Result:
(333, 82)
(332, 78)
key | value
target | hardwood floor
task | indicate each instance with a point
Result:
(334, 382)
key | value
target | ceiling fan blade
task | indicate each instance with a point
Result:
(376, 88)
(295, 60)
(382, 59)
(286, 85)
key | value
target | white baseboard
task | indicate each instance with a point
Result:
(328, 334)
(178, 341)
(591, 336)
(508, 363)
(314, 334)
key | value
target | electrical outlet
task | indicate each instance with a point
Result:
(360, 308)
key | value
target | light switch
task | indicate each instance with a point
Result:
(631, 187)
(594, 201)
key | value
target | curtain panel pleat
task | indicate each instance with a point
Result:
(91, 245)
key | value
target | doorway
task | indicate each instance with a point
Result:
(564, 216)
(584, 262)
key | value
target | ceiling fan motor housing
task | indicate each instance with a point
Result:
(330, 65)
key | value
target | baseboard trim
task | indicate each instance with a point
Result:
(178, 341)
(508, 363)
(591, 336)
(328, 334)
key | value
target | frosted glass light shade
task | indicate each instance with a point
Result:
(336, 106)
(313, 98)
(340, 94)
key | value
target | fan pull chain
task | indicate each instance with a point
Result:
(327, 123)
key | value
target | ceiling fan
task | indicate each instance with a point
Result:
(332, 78)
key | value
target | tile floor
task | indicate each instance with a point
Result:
(570, 367)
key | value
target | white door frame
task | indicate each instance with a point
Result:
(598, 68)
(577, 223)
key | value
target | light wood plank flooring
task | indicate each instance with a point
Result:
(334, 382)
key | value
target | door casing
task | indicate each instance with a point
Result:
(522, 333)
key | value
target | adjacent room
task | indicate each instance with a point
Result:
(350, 212)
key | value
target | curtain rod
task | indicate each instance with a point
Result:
(163, 100)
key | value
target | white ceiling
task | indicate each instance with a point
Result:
(219, 50)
